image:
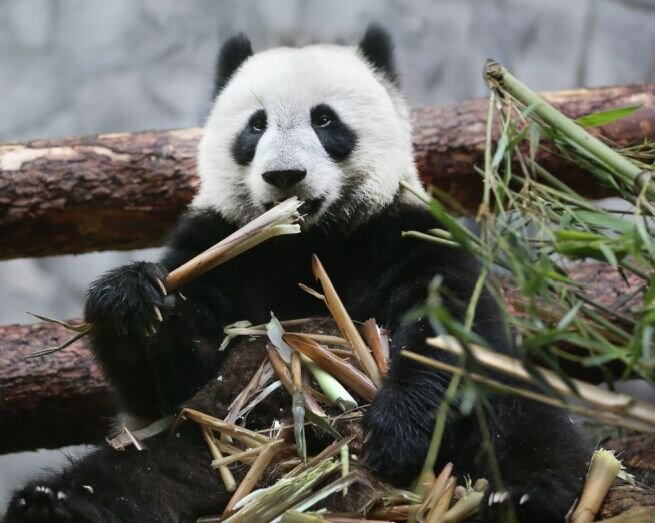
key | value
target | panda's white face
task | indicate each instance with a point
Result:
(316, 122)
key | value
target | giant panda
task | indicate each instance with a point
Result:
(329, 125)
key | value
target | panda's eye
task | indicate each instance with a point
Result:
(323, 116)
(323, 121)
(258, 125)
(257, 122)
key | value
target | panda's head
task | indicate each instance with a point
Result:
(325, 123)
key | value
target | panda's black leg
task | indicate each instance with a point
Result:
(540, 461)
(170, 481)
(399, 424)
(540, 456)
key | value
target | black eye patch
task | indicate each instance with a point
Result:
(337, 138)
(245, 144)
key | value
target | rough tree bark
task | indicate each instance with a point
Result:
(123, 191)
(49, 402)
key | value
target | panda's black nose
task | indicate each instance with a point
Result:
(284, 179)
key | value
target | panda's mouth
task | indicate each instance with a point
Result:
(308, 207)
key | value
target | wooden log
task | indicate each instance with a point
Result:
(124, 191)
(49, 402)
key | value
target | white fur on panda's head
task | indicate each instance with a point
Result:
(325, 123)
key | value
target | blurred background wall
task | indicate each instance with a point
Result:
(70, 67)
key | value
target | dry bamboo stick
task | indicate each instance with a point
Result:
(345, 323)
(617, 403)
(435, 490)
(243, 396)
(252, 476)
(373, 338)
(258, 230)
(227, 477)
(249, 437)
(606, 417)
(443, 502)
(603, 469)
(243, 456)
(341, 370)
(284, 375)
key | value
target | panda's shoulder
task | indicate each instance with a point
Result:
(197, 230)
(400, 217)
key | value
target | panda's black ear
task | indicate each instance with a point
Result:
(233, 53)
(377, 47)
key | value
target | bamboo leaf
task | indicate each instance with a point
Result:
(605, 221)
(601, 118)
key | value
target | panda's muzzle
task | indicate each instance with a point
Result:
(284, 179)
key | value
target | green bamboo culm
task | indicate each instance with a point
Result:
(499, 79)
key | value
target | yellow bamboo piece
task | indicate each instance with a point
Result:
(227, 477)
(618, 403)
(252, 476)
(603, 470)
(345, 323)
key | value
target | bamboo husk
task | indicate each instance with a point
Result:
(353, 378)
(345, 323)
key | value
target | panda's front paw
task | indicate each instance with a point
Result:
(396, 437)
(533, 502)
(128, 300)
(41, 504)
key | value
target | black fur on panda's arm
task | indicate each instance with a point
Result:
(158, 350)
(541, 457)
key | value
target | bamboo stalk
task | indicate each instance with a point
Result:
(379, 347)
(252, 476)
(498, 78)
(345, 372)
(284, 375)
(395, 513)
(435, 491)
(345, 323)
(321, 338)
(606, 417)
(239, 402)
(280, 368)
(603, 470)
(249, 437)
(274, 222)
(245, 456)
(443, 502)
(227, 477)
(464, 508)
(328, 452)
(618, 403)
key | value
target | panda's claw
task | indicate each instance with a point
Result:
(162, 287)
(158, 315)
(42, 504)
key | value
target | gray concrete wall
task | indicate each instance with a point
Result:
(88, 66)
